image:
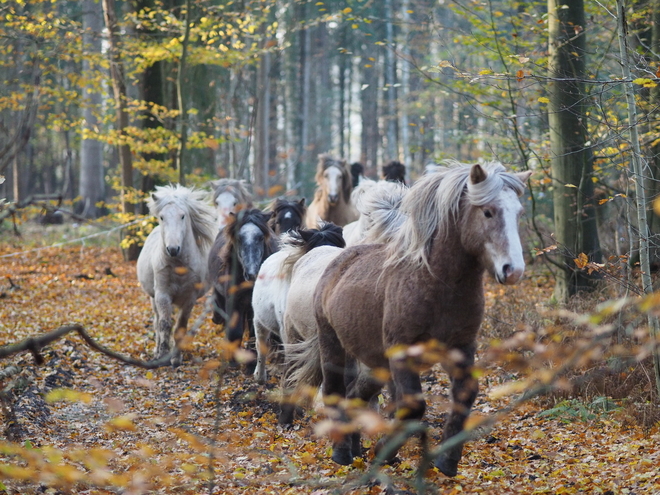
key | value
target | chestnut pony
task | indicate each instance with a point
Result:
(425, 285)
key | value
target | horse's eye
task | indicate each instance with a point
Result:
(182, 217)
(488, 214)
(161, 218)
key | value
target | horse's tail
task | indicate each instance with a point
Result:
(383, 206)
(302, 377)
(298, 243)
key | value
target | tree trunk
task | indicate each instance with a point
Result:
(262, 134)
(390, 85)
(119, 92)
(572, 167)
(638, 172)
(92, 183)
(181, 96)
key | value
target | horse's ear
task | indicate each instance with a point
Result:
(154, 197)
(302, 202)
(477, 174)
(524, 176)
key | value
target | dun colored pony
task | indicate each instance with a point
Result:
(272, 285)
(332, 199)
(425, 285)
(172, 265)
(286, 215)
(230, 196)
(234, 262)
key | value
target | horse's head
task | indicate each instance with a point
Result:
(252, 241)
(174, 227)
(490, 224)
(334, 177)
(229, 196)
(287, 215)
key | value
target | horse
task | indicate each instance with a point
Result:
(286, 215)
(229, 196)
(357, 173)
(424, 286)
(377, 203)
(394, 171)
(272, 284)
(171, 267)
(233, 263)
(332, 198)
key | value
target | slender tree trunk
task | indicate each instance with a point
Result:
(119, 91)
(572, 167)
(390, 84)
(638, 174)
(262, 131)
(305, 89)
(181, 96)
(405, 90)
(92, 183)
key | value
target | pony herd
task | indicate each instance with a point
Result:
(406, 270)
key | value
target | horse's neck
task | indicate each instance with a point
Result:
(450, 262)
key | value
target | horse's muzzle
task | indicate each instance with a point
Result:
(333, 199)
(173, 251)
(510, 274)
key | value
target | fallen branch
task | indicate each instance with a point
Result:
(35, 344)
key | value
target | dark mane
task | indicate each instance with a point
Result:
(357, 170)
(394, 172)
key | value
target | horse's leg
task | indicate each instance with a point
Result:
(219, 307)
(364, 387)
(180, 331)
(410, 404)
(464, 388)
(163, 304)
(251, 345)
(261, 336)
(333, 365)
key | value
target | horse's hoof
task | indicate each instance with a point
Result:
(448, 467)
(356, 445)
(177, 360)
(217, 319)
(392, 458)
(342, 455)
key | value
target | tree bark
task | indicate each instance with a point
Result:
(571, 161)
(119, 92)
(638, 174)
(92, 183)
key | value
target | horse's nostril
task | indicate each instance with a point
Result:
(173, 250)
(507, 269)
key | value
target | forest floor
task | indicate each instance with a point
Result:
(121, 429)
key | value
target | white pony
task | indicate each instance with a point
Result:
(272, 284)
(230, 196)
(377, 203)
(172, 266)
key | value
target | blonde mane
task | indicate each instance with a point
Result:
(195, 202)
(433, 203)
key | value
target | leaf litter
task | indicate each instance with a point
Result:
(173, 430)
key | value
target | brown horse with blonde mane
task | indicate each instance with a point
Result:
(332, 198)
(424, 286)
